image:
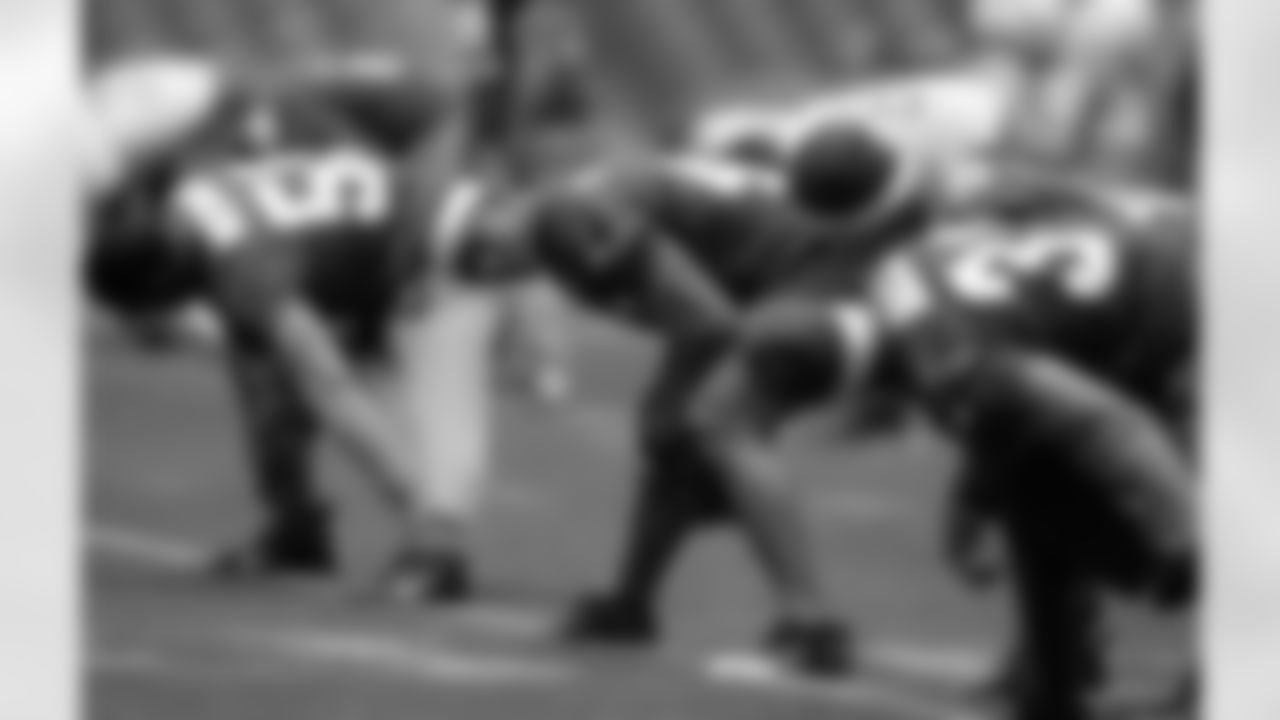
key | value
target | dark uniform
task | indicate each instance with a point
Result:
(1056, 351)
(704, 240)
(274, 197)
(277, 198)
(726, 218)
(1116, 297)
(1114, 301)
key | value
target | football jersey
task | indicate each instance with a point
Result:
(731, 220)
(288, 197)
(1114, 295)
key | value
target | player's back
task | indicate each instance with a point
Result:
(1116, 296)
(732, 218)
(290, 180)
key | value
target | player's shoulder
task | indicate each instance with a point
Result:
(714, 175)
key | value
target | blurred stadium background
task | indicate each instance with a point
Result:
(654, 63)
(654, 58)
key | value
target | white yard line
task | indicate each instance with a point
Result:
(144, 548)
(752, 672)
(380, 653)
(508, 621)
(144, 662)
(419, 659)
(157, 664)
(949, 665)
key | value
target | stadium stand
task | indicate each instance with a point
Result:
(662, 55)
(657, 62)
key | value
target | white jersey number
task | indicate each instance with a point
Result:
(285, 195)
(1080, 261)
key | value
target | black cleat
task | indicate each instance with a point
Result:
(820, 649)
(283, 551)
(429, 577)
(610, 621)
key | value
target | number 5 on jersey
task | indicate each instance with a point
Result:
(287, 195)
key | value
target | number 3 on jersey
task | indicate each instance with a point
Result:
(1079, 261)
(286, 195)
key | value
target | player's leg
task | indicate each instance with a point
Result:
(441, 389)
(1116, 451)
(296, 532)
(1057, 613)
(789, 362)
(1103, 474)
(676, 497)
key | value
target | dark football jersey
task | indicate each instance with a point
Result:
(288, 197)
(1115, 297)
(728, 219)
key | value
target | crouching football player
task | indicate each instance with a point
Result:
(1054, 353)
(680, 247)
(285, 211)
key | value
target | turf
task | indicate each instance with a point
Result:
(165, 482)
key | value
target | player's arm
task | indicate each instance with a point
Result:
(616, 263)
(494, 250)
(255, 296)
(677, 298)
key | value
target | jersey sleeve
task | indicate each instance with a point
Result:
(594, 245)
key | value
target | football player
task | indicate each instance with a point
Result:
(287, 209)
(1054, 348)
(679, 247)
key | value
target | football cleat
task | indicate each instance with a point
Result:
(610, 621)
(421, 576)
(819, 649)
(301, 549)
